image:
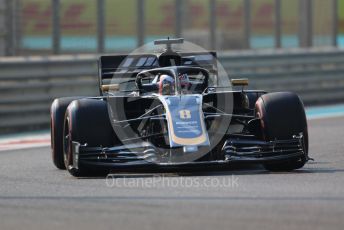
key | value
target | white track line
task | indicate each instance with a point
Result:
(318, 117)
(24, 142)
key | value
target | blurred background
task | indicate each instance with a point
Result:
(89, 26)
(49, 48)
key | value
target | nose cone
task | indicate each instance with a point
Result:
(185, 121)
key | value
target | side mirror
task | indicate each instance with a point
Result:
(239, 82)
(107, 88)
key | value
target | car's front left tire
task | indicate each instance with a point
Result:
(282, 116)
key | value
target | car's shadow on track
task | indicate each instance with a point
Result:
(236, 170)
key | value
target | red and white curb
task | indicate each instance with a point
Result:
(24, 142)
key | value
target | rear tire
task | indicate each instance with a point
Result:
(87, 122)
(57, 115)
(282, 116)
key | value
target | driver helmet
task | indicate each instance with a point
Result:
(184, 82)
(166, 85)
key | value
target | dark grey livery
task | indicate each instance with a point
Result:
(167, 111)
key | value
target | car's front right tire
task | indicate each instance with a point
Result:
(57, 115)
(86, 122)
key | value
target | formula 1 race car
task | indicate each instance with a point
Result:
(168, 111)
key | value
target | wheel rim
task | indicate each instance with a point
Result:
(67, 140)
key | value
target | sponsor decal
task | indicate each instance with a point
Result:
(185, 114)
(185, 120)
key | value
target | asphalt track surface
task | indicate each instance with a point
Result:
(35, 195)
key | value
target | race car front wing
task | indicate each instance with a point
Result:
(143, 155)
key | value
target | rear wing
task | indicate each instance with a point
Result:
(124, 68)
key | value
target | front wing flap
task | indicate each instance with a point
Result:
(143, 155)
